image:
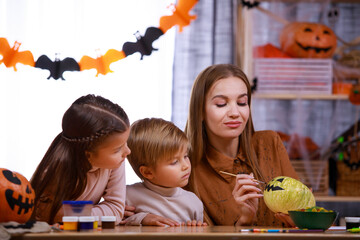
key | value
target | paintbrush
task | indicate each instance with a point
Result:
(234, 175)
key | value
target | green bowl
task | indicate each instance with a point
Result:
(313, 220)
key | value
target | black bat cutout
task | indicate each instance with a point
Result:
(58, 67)
(254, 85)
(249, 4)
(143, 45)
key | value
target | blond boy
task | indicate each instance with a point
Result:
(159, 156)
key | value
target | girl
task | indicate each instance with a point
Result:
(222, 138)
(85, 161)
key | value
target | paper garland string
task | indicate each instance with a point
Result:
(180, 16)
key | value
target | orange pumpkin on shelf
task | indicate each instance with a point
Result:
(308, 40)
(16, 197)
(354, 96)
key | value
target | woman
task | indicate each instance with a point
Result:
(222, 138)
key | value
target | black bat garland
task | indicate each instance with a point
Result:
(58, 67)
(249, 4)
(143, 45)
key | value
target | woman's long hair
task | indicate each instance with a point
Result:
(63, 170)
(195, 129)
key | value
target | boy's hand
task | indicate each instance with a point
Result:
(129, 211)
(195, 223)
(155, 220)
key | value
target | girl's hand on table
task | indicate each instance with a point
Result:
(246, 194)
(194, 223)
(129, 211)
(286, 219)
(155, 220)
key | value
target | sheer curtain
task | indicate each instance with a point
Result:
(32, 106)
(208, 40)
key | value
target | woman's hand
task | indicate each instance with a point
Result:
(155, 220)
(286, 219)
(246, 194)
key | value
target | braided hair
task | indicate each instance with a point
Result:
(62, 173)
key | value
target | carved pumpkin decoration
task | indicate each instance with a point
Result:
(16, 197)
(354, 96)
(283, 194)
(308, 40)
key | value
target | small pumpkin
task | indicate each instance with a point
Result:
(16, 197)
(354, 96)
(308, 40)
(283, 194)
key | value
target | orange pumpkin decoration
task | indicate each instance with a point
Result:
(308, 40)
(16, 197)
(268, 51)
(354, 96)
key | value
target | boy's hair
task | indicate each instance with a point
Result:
(152, 140)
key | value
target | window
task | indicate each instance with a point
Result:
(32, 106)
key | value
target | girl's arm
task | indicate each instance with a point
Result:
(114, 196)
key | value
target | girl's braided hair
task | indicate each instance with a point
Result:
(62, 173)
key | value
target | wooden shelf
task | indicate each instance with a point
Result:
(337, 199)
(300, 96)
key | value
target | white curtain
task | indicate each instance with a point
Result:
(32, 106)
(208, 40)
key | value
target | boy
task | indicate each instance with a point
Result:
(159, 156)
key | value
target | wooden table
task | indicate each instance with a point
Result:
(176, 233)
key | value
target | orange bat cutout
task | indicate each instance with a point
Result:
(180, 15)
(102, 62)
(12, 56)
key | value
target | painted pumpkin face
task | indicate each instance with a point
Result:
(283, 194)
(308, 40)
(16, 197)
(354, 96)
